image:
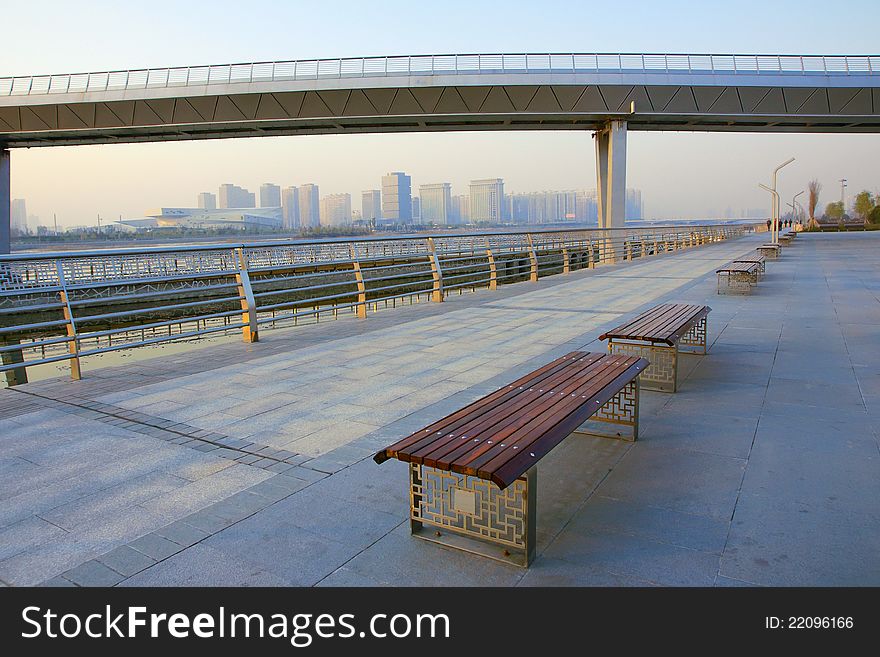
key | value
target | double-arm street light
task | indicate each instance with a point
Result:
(773, 211)
(794, 213)
(774, 237)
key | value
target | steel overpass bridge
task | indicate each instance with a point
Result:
(605, 93)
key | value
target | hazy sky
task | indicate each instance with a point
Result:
(680, 174)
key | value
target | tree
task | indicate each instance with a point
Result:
(863, 204)
(834, 210)
(814, 187)
(874, 216)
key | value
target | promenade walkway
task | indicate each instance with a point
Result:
(236, 464)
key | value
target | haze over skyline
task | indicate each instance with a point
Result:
(680, 174)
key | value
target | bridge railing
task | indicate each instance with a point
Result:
(360, 67)
(68, 306)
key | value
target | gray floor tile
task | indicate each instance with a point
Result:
(689, 482)
(93, 573)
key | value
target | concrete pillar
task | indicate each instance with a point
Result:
(611, 180)
(5, 202)
(611, 174)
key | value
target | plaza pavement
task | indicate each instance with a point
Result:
(238, 464)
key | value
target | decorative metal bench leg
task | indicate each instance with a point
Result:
(474, 515)
(661, 374)
(694, 339)
(621, 410)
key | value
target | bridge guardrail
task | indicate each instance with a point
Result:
(360, 67)
(68, 306)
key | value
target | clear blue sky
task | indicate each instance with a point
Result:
(680, 173)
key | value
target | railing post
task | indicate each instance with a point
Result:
(493, 269)
(566, 260)
(361, 287)
(436, 272)
(249, 332)
(18, 375)
(73, 344)
(533, 258)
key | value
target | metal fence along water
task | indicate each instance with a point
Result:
(68, 306)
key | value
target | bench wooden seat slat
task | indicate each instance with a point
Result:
(494, 437)
(665, 323)
(516, 424)
(654, 323)
(555, 435)
(552, 407)
(679, 324)
(534, 444)
(496, 418)
(738, 266)
(659, 325)
(479, 408)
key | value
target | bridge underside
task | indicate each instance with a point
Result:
(160, 115)
(419, 104)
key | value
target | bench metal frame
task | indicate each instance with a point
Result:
(662, 374)
(472, 514)
(738, 281)
(769, 250)
(762, 264)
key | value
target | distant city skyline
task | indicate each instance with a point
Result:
(682, 175)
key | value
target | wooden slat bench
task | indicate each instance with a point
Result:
(473, 474)
(759, 259)
(769, 250)
(738, 277)
(659, 334)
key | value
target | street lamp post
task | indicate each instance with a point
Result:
(776, 197)
(794, 214)
(842, 182)
(773, 211)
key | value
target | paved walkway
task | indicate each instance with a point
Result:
(243, 464)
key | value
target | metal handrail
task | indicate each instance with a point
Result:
(124, 288)
(435, 65)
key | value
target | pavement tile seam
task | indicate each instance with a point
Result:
(218, 444)
(166, 534)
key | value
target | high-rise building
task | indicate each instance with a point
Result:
(635, 210)
(436, 202)
(416, 209)
(227, 195)
(18, 215)
(270, 196)
(336, 210)
(371, 205)
(550, 207)
(461, 209)
(290, 207)
(233, 196)
(588, 207)
(309, 206)
(207, 201)
(487, 200)
(397, 197)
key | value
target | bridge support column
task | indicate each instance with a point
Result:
(5, 202)
(611, 180)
